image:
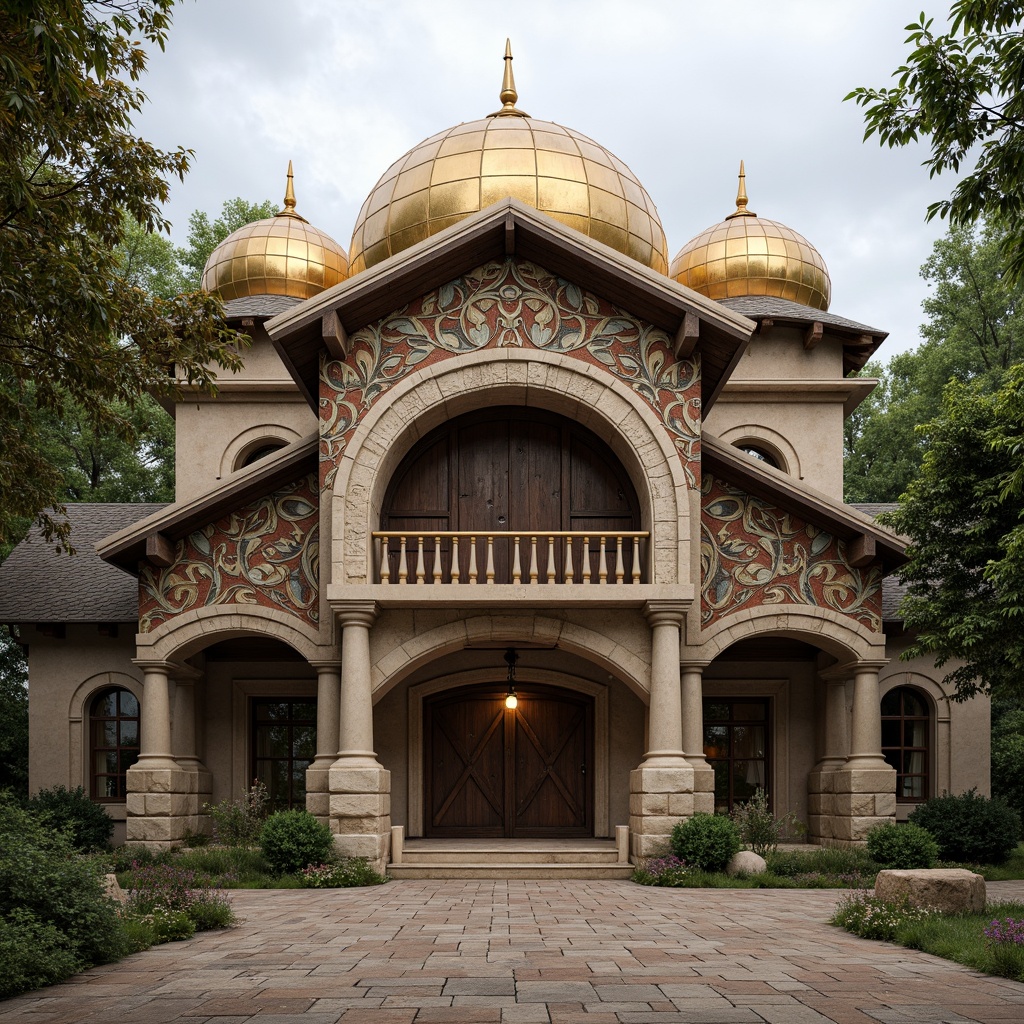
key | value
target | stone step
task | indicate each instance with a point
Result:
(517, 870)
(410, 855)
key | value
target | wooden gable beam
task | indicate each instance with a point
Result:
(687, 336)
(510, 234)
(159, 550)
(334, 334)
(861, 551)
(814, 335)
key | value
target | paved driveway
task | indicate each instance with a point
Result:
(526, 953)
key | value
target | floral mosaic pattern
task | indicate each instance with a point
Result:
(753, 553)
(265, 553)
(509, 303)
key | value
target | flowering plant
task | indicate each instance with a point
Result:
(873, 918)
(668, 871)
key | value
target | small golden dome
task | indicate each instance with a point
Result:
(749, 255)
(465, 169)
(280, 255)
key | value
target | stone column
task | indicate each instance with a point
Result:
(185, 753)
(693, 738)
(865, 785)
(158, 802)
(360, 787)
(328, 704)
(821, 779)
(661, 788)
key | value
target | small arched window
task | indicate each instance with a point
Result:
(113, 742)
(261, 451)
(906, 741)
(759, 452)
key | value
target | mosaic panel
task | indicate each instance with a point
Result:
(265, 553)
(753, 553)
(509, 303)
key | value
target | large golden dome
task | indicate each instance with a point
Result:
(749, 255)
(463, 170)
(280, 255)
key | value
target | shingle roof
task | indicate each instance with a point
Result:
(784, 309)
(38, 585)
(893, 591)
(259, 305)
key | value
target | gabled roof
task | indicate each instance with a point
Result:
(127, 547)
(844, 521)
(38, 585)
(859, 341)
(506, 228)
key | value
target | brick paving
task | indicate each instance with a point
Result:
(522, 952)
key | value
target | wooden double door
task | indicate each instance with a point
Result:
(495, 772)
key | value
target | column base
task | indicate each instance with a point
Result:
(164, 805)
(659, 798)
(852, 801)
(359, 808)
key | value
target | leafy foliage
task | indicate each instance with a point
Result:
(13, 715)
(902, 846)
(70, 811)
(237, 823)
(205, 235)
(970, 828)
(292, 840)
(964, 515)
(706, 841)
(1008, 754)
(873, 918)
(759, 827)
(74, 325)
(348, 872)
(963, 91)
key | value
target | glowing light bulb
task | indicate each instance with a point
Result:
(511, 701)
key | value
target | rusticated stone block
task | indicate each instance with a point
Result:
(360, 805)
(949, 890)
(318, 804)
(661, 780)
(644, 846)
(360, 780)
(682, 805)
(865, 780)
(703, 803)
(885, 805)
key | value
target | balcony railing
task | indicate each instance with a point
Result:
(509, 556)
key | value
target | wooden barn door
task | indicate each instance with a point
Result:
(492, 772)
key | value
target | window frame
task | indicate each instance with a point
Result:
(123, 751)
(294, 801)
(729, 758)
(902, 748)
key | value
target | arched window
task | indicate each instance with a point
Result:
(113, 742)
(261, 451)
(906, 735)
(761, 453)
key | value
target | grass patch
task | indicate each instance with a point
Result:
(957, 937)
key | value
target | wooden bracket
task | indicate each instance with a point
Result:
(687, 336)
(334, 334)
(510, 234)
(159, 550)
(861, 551)
(813, 335)
(765, 327)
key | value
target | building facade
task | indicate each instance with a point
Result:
(501, 449)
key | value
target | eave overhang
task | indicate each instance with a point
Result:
(148, 537)
(847, 523)
(507, 228)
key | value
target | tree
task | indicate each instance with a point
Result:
(74, 325)
(963, 91)
(964, 515)
(13, 715)
(974, 332)
(205, 235)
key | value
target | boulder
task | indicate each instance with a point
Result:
(950, 890)
(113, 889)
(745, 863)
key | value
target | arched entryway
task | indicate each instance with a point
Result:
(495, 772)
(512, 469)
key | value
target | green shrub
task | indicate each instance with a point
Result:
(666, 871)
(173, 889)
(292, 840)
(346, 873)
(706, 842)
(902, 846)
(170, 925)
(970, 828)
(839, 861)
(759, 828)
(33, 954)
(87, 824)
(239, 822)
(873, 918)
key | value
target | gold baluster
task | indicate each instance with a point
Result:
(551, 559)
(490, 558)
(437, 561)
(533, 560)
(619, 570)
(586, 559)
(472, 560)
(568, 559)
(517, 569)
(602, 565)
(403, 565)
(455, 560)
(421, 575)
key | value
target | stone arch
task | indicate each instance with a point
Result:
(392, 665)
(249, 440)
(190, 632)
(78, 719)
(842, 637)
(775, 443)
(546, 380)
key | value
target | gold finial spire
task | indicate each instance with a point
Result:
(741, 198)
(289, 198)
(508, 94)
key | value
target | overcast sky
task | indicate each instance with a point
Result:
(679, 90)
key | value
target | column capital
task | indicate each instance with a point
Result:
(156, 665)
(355, 612)
(693, 665)
(662, 612)
(325, 664)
